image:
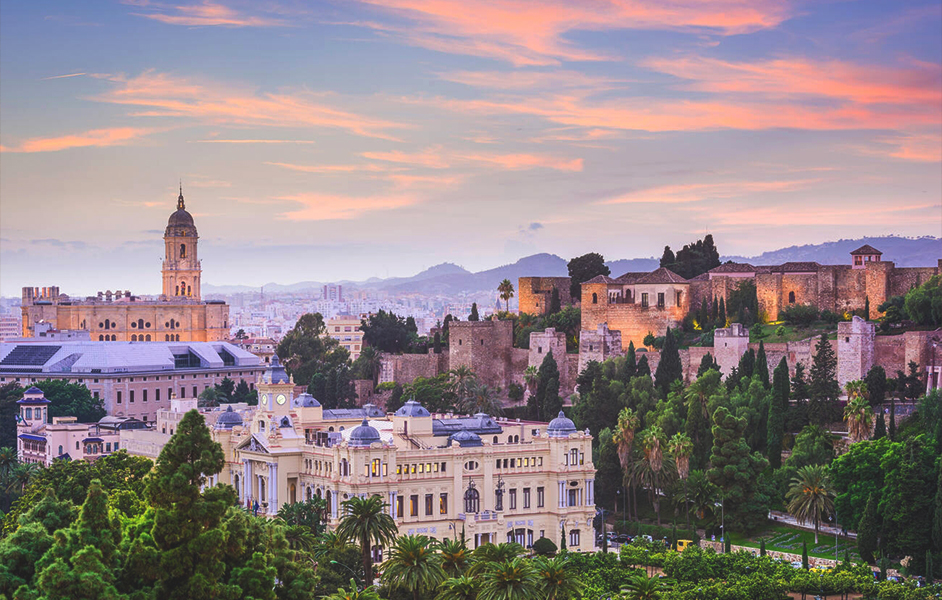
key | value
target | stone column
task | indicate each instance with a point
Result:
(590, 492)
(272, 488)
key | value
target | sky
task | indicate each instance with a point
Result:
(343, 140)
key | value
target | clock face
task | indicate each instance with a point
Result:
(280, 399)
(264, 399)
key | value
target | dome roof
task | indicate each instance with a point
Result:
(229, 419)
(180, 218)
(364, 435)
(412, 409)
(275, 372)
(466, 439)
(306, 401)
(560, 426)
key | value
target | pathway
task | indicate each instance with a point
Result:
(783, 517)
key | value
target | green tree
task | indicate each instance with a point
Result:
(906, 504)
(879, 429)
(923, 304)
(799, 384)
(857, 475)
(558, 577)
(310, 514)
(693, 259)
(937, 513)
(513, 579)
(71, 400)
(735, 471)
(876, 384)
(243, 393)
(210, 397)
(649, 470)
(546, 403)
(643, 370)
(306, 351)
(388, 332)
(10, 393)
(226, 389)
(456, 558)
(721, 320)
(762, 365)
(474, 312)
(707, 363)
(583, 268)
(669, 368)
(868, 531)
(857, 412)
(186, 529)
(413, 566)
(776, 424)
(555, 305)
(643, 587)
(458, 588)
(506, 289)
(367, 522)
(354, 594)
(681, 447)
(823, 388)
(810, 496)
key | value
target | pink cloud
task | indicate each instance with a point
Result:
(210, 14)
(326, 207)
(685, 193)
(98, 138)
(162, 95)
(332, 168)
(430, 158)
(437, 158)
(924, 147)
(253, 141)
(527, 33)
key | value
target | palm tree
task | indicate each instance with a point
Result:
(531, 375)
(649, 471)
(858, 413)
(506, 290)
(642, 587)
(413, 565)
(810, 497)
(680, 448)
(487, 555)
(354, 594)
(558, 578)
(482, 398)
(624, 438)
(20, 476)
(367, 522)
(462, 380)
(8, 460)
(514, 579)
(455, 557)
(299, 537)
(701, 494)
(458, 588)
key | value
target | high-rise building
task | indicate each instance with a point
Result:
(334, 292)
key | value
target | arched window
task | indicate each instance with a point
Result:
(595, 298)
(147, 337)
(107, 324)
(472, 500)
(182, 250)
(101, 338)
(176, 338)
(791, 297)
(60, 450)
(134, 338)
(114, 338)
(189, 290)
(140, 323)
(176, 291)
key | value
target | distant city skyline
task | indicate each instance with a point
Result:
(334, 141)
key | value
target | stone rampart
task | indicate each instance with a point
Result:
(534, 293)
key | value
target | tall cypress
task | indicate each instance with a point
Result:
(823, 389)
(669, 369)
(868, 531)
(713, 310)
(747, 364)
(762, 365)
(879, 430)
(474, 312)
(892, 429)
(707, 363)
(721, 317)
(644, 369)
(804, 555)
(937, 513)
(631, 364)
(776, 426)
(703, 315)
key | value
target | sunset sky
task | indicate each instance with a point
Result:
(343, 140)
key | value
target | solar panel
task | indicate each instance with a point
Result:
(29, 356)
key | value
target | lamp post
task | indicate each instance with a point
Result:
(334, 562)
(722, 506)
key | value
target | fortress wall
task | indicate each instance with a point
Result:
(534, 293)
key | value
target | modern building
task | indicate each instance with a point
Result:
(346, 330)
(41, 442)
(133, 380)
(10, 327)
(492, 479)
(177, 315)
(333, 292)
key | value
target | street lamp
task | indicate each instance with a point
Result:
(334, 562)
(624, 510)
(722, 506)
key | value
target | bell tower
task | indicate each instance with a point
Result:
(181, 266)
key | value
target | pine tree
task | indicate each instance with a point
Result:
(823, 388)
(643, 368)
(868, 531)
(474, 312)
(721, 317)
(762, 365)
(669, 369)
(776, 425)
(186, 521)
(735, 470)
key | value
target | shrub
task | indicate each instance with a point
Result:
(799, 314)
(544, 547)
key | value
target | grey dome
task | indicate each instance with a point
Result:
(180, 218)
(364, 435)
(305, 401)
(560, 426)
(275, 372)
(228, 419)
(466, 439)
(412, 409)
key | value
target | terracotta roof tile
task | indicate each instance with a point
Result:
(865, 249)
(599, 279)
(732, 267)
(662, 275)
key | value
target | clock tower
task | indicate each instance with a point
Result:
(275, 389)
(181, 268)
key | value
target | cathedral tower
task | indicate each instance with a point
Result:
(181, 268)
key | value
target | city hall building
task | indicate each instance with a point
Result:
(493, 479)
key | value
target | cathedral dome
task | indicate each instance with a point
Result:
(180, 218)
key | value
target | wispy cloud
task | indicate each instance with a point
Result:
(326, 207)
(896, 213)
(63, 76)
(371, 168)
(98, 138)
(528, 33)
(163, 95)
(207, 14)
(253, 141)
(696, 192)
(916, 147)
(436, 157)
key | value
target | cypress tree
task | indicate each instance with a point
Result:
(892, 429)
(937, 513)
(879, 430)
(799, 385)
(722, 313)
(437, 343)
(804, 555)
(707, 363)
(762, 365)
(703, 315)
(631, 364)
(867, 309)
(762, 548)
(562, 538)
(554, 306)
(474, 311)
(714, 314)
(823, 388)
(776, 423)
(674, 537)
(929, 578)
(727, 543)
(546, 397)
(747, 364)
(876, 384)
(669, 369)
(868, 531)
(643, 368)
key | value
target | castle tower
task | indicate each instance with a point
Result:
(181, 268)
(729, 344)
(855, 341)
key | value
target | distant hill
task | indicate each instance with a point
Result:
(449, 278)
(905, 252)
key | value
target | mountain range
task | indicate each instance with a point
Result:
(449, 278)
